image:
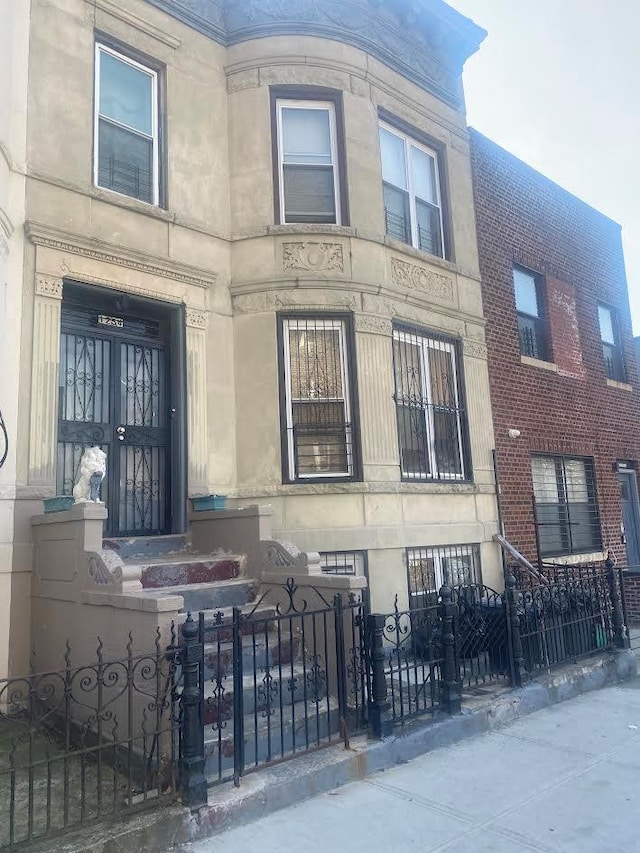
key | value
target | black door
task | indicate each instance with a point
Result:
(630, 514)
(115, 390)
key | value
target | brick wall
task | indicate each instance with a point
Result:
(632, 595)
(524, 218)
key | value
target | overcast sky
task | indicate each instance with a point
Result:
(557, 83)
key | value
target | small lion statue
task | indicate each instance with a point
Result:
(93, 467)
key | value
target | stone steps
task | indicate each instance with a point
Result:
(182, 570)
(147, 546)
(211, 596)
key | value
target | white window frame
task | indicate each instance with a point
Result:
(103, 48)
(354, 560)
(327, 106)
(294, 323)
(440, 554)
(425, 342)
(410, 142)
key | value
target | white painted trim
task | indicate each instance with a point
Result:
(410, 143)
(327, 106)
(154, 137)
(289, 324)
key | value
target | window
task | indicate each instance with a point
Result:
(351, 563)
(531, 325)
(611, 349)
(566, 509)
(428, 569)
(430, 419)
(126, 126)
(411, 187)
(318, 398)
(309, 188)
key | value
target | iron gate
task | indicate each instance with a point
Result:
(86, 743)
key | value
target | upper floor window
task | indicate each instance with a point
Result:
(566, 507)
(430, 418)
(318, 398)
(411, 186)
(309, 187)
(126, 158)
(611, 349)
(531, 324)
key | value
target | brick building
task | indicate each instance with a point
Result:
(562, 365)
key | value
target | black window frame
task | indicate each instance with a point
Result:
(533, 331)
(159, 69)
(566, 525)
(310, 93)
(612, 354)
(428, 409)
(293, 477)
(438, 148)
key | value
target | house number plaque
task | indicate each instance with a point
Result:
(104, 320)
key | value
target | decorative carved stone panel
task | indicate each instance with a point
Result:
(414, 277)
(312, 256)
(474, 349)
(377, 325)
(196, 319)
(48, 285)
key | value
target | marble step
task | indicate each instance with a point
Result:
(184, 570)
(147, 546)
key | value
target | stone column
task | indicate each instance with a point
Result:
(44, 380)
(375, 389)
(197, 399)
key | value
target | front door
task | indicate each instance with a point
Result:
(630, 514)
(115, 391)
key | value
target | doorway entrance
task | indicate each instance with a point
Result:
(630, 513)
(122, 387)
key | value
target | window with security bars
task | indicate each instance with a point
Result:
(350, 563)
(611, 348)
(428, 569)
(532, 330)
(126, 126)
(566, 506)
(318, 399)
(431, 422)
(307, 162)
(411, 189)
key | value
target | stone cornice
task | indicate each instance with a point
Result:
(117, 11)
(54, 238)
(426, 42)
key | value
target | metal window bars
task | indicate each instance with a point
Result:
(431, 420)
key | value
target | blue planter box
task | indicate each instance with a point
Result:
(58, 504)
(209, 502)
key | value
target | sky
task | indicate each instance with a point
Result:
(557, 83)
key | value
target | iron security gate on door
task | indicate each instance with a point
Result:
(114, 391)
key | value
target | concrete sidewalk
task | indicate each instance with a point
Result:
(564, 779)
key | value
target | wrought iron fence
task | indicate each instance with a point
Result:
(413, 657)
(482, 635)
(87, 742)
(575, 611)
(284, 678)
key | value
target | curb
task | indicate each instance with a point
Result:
(286, 784)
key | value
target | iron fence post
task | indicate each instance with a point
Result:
(620, 633)
(238, 699)
(379, 722)
(519, 673)
(193, 784)
(341, 667)
(450, 687)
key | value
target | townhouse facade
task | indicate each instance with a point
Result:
(562, 367)
(250, 268)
